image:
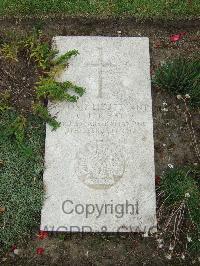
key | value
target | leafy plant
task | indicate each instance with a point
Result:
(43, 113)
(39, 50)
(17, 129)
(10, 51)
(48, 88)
(57, 91)
(63, 59)
(59, 63)
(4, 101)
(180, 76)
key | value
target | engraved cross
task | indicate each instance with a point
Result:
(101, 64)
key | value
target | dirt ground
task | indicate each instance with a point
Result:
(173, 143)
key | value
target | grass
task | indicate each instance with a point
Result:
(22, 138)
(180, 76)
(21, 185)
(181, 187)
(138, 8)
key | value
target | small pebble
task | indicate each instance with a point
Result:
(182, 256)
(16, 251)
(168, 256)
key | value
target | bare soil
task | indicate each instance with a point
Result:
(173, 143)
(19, 79)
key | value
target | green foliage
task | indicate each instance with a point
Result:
(35, 46)
(57, 91)
(194, 245)
(21, 186)
(10, 51)
(4, 101)
(63, 59)
(61, 62)
(181, 185)
(39, 50)
(180, 76)
(48, 88)
(17, 129)
(43, 113)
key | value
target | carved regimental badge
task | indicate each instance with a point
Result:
(100, 165)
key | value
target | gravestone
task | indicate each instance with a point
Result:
(99, 165)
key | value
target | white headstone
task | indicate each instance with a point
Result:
(99, 165)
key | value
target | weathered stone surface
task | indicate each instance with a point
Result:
(99, 173)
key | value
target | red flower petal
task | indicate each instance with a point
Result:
(40, 251)
(42, 235)
(177, 37)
